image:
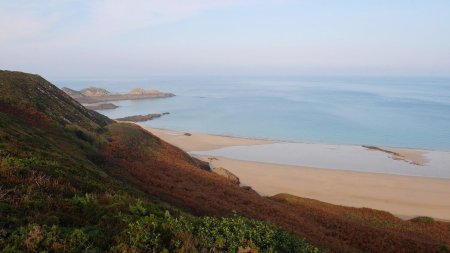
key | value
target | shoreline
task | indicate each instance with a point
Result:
(204, 142)
(409, 155)
(403, 195)
(269, 140)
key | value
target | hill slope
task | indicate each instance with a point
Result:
(32, 92)
(201, 192)
(81, 179)
(60, 192)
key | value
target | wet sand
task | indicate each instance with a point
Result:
(404, 196)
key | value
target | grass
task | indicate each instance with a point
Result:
(63, 189)
(42, 212)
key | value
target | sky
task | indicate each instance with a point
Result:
(141, 38)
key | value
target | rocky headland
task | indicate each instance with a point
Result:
(93, 95)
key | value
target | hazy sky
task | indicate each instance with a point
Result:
(139, 38)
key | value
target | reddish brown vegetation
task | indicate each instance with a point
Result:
(170, 174)
(29, 115)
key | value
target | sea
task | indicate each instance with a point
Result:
(409, 112)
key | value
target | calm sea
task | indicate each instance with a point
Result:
(397, 112)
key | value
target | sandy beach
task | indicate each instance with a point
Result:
(199, 141)
(404, 196)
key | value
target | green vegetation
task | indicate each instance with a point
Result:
(43, 213)
(423, 220)
(187, 234)
(60, 193)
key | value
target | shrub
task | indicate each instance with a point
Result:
(423, 220)
(79, 241)
(83, 201)
(444, 247)
(153, 233)
(37, 238)
(142, 235)
(137, 208)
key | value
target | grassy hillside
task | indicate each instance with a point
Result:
(365, 225)
(79, 182)
(62, 191)
(203, 193)
(28, 93)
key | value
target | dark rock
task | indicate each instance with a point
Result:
(107, 106)
(227, 174)
(140, 118)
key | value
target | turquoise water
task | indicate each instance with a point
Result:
(397, 112)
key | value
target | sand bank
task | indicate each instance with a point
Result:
(407, 155)
(404, 196)
(199, 142)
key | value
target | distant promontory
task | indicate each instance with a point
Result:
(93, 95)
(105, 106)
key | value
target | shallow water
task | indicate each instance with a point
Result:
(343, 157)
(397, 112)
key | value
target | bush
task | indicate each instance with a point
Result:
(83, 201)
(45, 213)
(166, 233)
(119, 222)
(37, 238)
(423, 220)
